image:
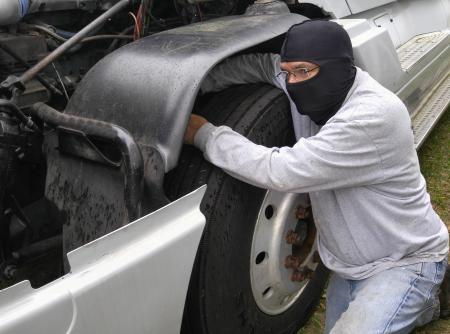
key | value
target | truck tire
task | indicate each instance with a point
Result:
(240, 283)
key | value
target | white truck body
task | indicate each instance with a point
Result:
(133, 280)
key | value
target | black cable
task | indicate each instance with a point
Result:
(100, 37)
(84, 40)
(114, 43)
(48, 31)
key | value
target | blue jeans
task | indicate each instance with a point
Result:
(393, 301)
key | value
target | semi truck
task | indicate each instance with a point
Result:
(108, 223)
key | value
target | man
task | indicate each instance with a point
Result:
(377, 231)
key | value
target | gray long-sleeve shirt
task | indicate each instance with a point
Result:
(369, 199)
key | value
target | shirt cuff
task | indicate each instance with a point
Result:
(202, 135)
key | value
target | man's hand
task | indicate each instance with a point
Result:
(195, 123)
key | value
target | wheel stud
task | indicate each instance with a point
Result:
(301, 274)
(293, 238)
(302, 212)
(297, 276)
(292, 262)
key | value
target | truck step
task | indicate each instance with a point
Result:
(430, 111)
(418, 47)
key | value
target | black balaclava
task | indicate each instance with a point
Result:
(328, 45)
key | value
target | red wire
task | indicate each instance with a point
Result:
(136, 33)
(139, 19)
(137, 22)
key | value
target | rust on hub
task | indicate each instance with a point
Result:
(297, 276)
(304, 249)
(292, 262)
(302, 212)
(301, 274)
(293, 238)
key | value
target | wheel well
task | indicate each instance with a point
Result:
(273, 45)
(309, 10)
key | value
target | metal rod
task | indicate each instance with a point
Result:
(22, 61)
(75, 39)
(84, 40)
(61, 82)
(101, 37)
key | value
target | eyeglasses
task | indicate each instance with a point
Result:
(301, 73)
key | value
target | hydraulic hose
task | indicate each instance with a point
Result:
(130, 152)
(13, 109)
(49, 32)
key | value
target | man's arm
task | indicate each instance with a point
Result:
(341, 155)
(250, 68)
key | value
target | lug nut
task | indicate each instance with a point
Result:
(302, 274)
(302, 213)
(292, 262)
(298, 276)
(293, 238)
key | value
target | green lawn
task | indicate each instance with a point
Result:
(434, 158)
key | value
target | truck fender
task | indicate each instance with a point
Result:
(149, 86)
(132, 280)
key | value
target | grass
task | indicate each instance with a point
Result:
(434, 157)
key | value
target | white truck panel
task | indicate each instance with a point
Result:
(133, 280)
(408, 18)
(368, 43)
(357, 6)
(336, 8)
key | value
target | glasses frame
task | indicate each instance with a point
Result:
(305, 71)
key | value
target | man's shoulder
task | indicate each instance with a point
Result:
(377, 112)
(371, 102)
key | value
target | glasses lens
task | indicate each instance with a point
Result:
(302, 73)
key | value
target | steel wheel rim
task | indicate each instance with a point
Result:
(273, 289)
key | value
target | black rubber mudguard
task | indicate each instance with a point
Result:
(149, 87)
